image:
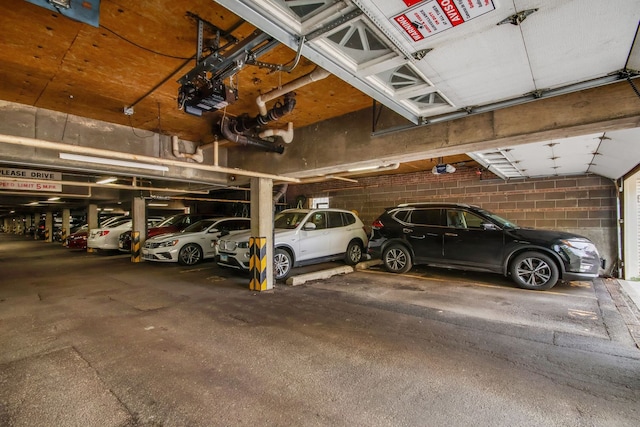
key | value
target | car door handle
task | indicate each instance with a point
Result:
(407, 230)
(451, 234)
(418, 237)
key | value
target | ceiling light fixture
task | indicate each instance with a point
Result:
(363, 168)
(112, 162)
(107, 180)
(158, 204)
(53, 199)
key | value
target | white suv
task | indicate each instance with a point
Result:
(302, 237)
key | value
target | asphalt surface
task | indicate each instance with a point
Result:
(95, 340)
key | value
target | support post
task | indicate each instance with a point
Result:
(261, 242)
(92, 221)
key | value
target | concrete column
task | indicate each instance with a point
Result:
(28, 222)
(66, 223)
(262, 226)
(36, 218)
(92, 220)
(630, 228)
(139, 215)
(48, 227)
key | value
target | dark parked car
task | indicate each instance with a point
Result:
(470, 238)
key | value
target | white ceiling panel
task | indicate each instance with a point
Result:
(573, 41)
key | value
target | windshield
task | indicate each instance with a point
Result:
(289, 220)
(501, 221)
(199, 226)
(170, 221)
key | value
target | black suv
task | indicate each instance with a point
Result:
(467, 237)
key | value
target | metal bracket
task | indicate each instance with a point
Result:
(516, 19)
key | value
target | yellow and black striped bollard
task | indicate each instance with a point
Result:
(135, 246)
(258, 263)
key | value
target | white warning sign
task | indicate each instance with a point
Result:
(434, 16)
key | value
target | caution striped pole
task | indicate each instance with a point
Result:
(258, 263)
(135, 246)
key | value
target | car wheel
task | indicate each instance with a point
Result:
(282, 264)
(397, 259)
(534, 270)
(354, 253)
(190, 254)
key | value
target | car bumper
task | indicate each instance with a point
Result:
(159, 255)
(226, 259)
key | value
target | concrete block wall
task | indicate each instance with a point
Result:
(584, 204)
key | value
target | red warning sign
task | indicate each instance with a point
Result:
(434, 16)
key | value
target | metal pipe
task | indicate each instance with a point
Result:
(198, 156)
(247, 140)
(285, 134)
(58, 146)
(317, 74)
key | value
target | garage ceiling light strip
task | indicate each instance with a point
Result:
(112, 162)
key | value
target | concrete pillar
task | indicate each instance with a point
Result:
(48, 227)
(66, 223)
(262, 228)
(92, 220)
(37, 217)
(631, 215)
(28, 222)
(139, 228)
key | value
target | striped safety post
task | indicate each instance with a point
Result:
(63, 236)
(46, 235)
(258, 263)
(135, 246)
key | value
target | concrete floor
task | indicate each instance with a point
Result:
(94, 340)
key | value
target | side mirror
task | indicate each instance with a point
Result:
(213, 230)
(309, 226)
(489, 226)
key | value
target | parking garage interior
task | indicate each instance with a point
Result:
(529, 109)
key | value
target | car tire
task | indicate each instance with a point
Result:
(354, 253)
(190, 254)
(534, 270)
(397, 259)
(282, 264)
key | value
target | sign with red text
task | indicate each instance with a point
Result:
(434, 16)
(29, 180)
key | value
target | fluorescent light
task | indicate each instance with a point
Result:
(158, 204)
(112, 162)
(107, 180)
(53, 199)
(364, 168)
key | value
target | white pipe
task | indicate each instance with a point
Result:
(285, 134)
(198, 156)
(315, 75)
(58, 146)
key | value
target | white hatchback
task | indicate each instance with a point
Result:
(194, 243)
(302, 237)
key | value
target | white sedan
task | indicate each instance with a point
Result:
(194, 243)
(106, 238)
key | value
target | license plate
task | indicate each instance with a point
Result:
(224, 257)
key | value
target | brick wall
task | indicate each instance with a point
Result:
(584, 204)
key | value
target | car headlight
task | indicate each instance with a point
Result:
(243, 245)
(168, 243)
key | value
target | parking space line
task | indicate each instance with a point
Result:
(435, 279)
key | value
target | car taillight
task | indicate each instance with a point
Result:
(104, 232)
(377, 224)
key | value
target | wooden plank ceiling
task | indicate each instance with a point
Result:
(52, 62)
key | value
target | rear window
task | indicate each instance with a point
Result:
(425, 217)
